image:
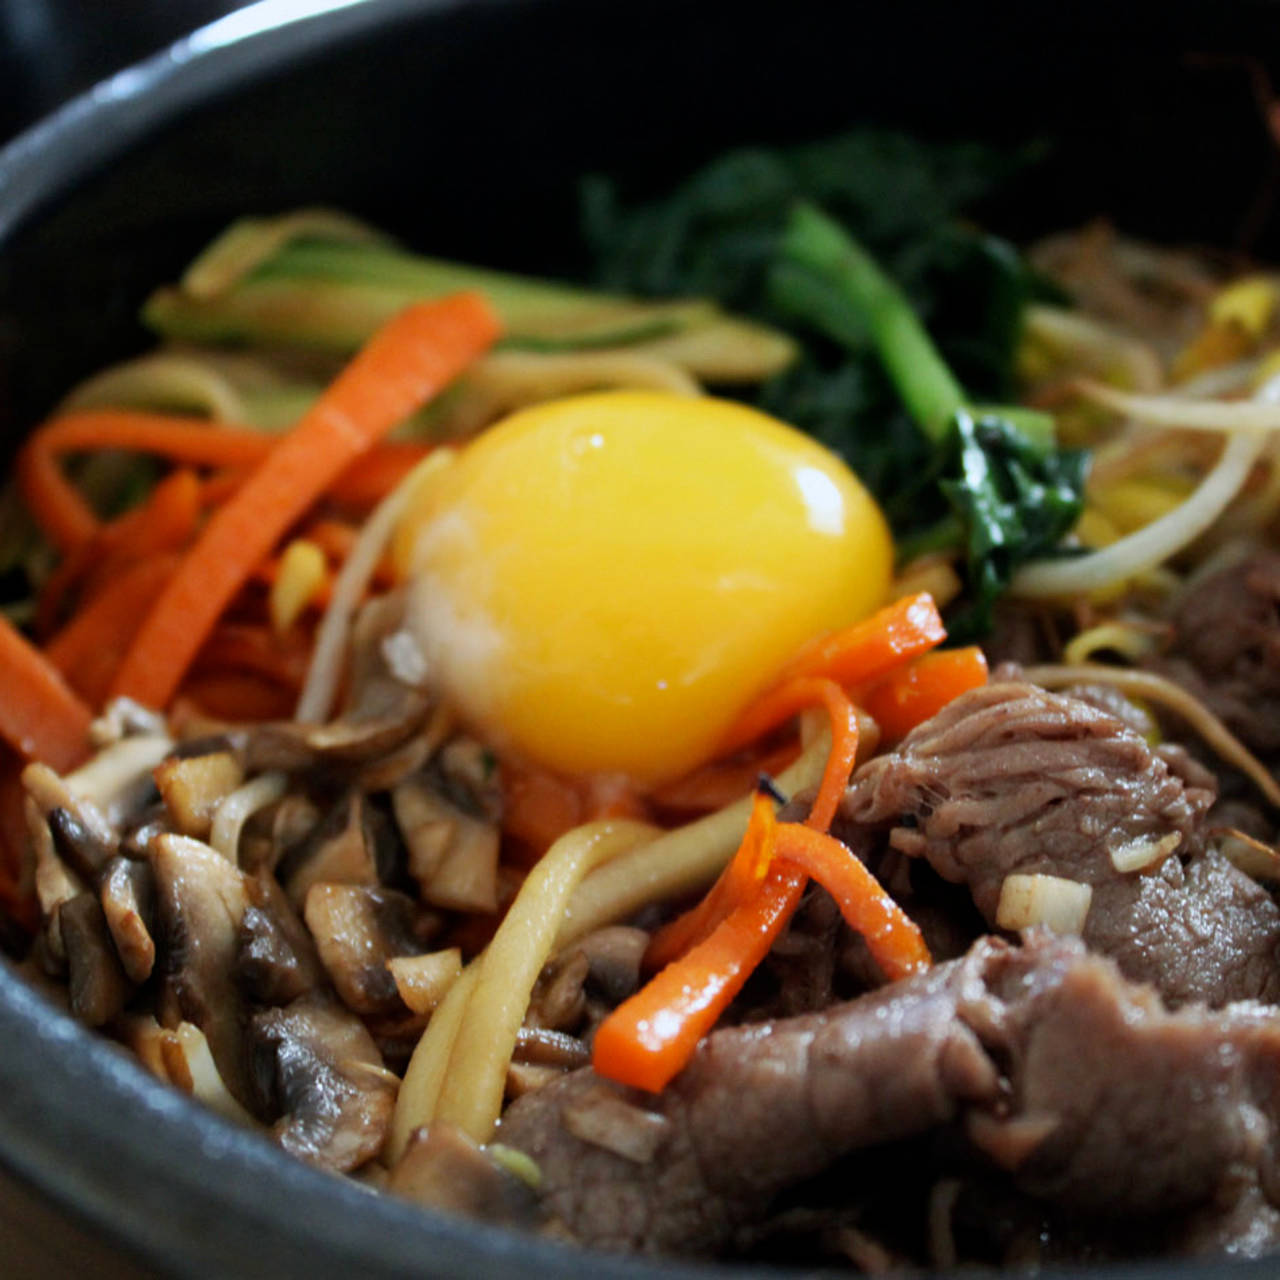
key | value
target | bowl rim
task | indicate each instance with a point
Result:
(198, 1188)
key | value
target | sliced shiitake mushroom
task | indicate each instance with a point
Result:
(357, 930)
(201, 900)
(192, 788)
(276, 961)
(127, 894)
(452, 855)
(318, 1069)
(96, 981)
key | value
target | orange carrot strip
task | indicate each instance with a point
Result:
(239, 697)
(874, 646)
(166, 521)
(64, 516)
(652, 1035)
(67, 519)
(40, 716)
(335, 538)
(893, 938)
(406, 362)
(256, 650)
(783, 702)
(914, 693)
(88, 650)
(714, 785)
(368, 480)
(734, 886)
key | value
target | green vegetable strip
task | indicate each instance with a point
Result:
(817, 243)
(331, 294)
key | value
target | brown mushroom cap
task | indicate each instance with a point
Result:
(316, 1066)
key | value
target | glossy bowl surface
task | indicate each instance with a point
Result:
(463, 125)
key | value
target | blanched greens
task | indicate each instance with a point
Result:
(891, 340)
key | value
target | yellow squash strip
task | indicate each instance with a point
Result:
(458, 1071)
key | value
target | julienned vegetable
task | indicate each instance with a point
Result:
(297, 281)
(1012, 495)
(416, 354)
(709, 952)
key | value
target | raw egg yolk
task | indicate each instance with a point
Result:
(601, 584)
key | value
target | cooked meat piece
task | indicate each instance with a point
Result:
(318, 1069)
(201, 900)
(1013, 779)
(357, 929)
(1226, 647)
(1023, 633)
(128, 896)
(276, 960)
(1097, 1100)
(1117, 1106)
(759, 1108)
(98, 985)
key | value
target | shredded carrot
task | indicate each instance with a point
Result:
(650, 1037)
(406, 362)
(41, 718)
(166, 521)
(721, 782)
(870, 648)
(746, 869)
(918, 691)
(89, 649)
(369, 479)
(335, 538)
(251, 649)
(733, 886)
(538, 806)
(783, 702)
(239, 697)
(894, 939)
(69, 522)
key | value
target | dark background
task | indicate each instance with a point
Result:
(53, 49)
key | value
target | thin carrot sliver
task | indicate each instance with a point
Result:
(69, 522)
(721, 782)
(650, 1037)
(89, 649)
(893, 938)
(41, 717)
(746, 869)
(917, 692)
(874, 646)
(412, 357)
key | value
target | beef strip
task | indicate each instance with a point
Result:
(1013, 779)
(1226, 647)
(1096, 1100)
(760, 1107)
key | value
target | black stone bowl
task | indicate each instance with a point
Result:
(464, 126)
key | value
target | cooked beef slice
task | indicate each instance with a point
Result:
(1097, 1101)
(1011, 778)
(760, 1107)
(1226, 647)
